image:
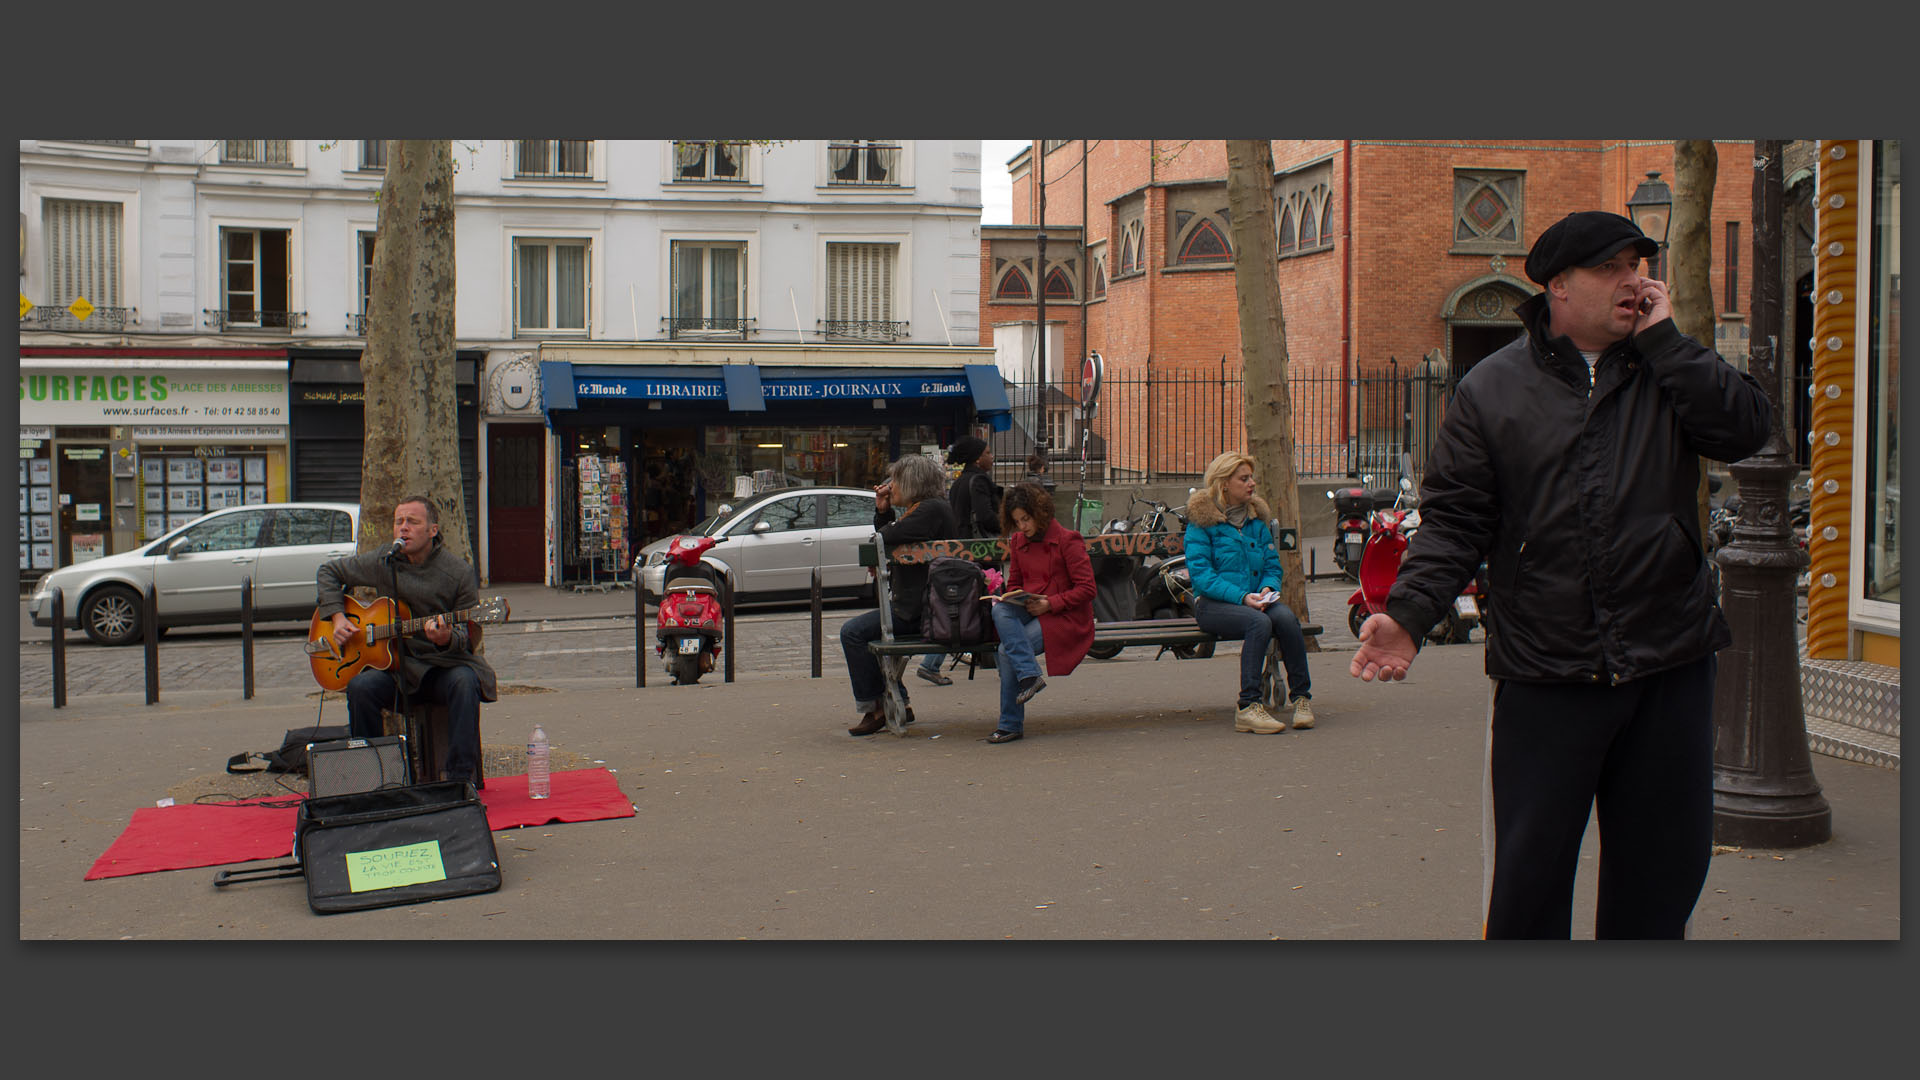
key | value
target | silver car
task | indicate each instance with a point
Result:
(197, 569)
(775, 540)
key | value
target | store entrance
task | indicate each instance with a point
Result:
(673, 496)
(516, 529)
(86, 503)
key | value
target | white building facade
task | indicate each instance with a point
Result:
(602, 288)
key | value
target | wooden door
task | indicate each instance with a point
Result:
(516, 532)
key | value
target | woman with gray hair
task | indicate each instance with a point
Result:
(910, 507)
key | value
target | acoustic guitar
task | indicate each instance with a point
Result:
(378, 624)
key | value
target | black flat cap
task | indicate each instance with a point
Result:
(1587, 238)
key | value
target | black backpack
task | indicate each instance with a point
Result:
(954, 613)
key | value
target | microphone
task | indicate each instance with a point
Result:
(394, 552)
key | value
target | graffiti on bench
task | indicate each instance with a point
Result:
(995, 550)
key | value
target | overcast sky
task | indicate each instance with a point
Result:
(996, 191)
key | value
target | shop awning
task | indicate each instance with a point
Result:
(748, 387)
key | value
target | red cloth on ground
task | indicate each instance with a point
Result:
(185, 837)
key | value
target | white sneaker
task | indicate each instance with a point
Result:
(1256, 719)
(1302, 714)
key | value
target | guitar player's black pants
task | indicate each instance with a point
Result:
(458, 688)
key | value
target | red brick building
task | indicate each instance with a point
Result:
(1391, 252)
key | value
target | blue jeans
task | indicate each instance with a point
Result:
(1255, 629)
(458, 688)
(863, 668)
(1020, 643)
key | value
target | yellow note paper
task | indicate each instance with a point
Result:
(390, 868)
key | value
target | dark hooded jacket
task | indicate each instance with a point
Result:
(1580, 496)
(976, 502)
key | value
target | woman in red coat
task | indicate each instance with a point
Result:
(1049, 607)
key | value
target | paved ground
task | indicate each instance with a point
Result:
(1132, 810)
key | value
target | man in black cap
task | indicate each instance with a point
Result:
(1569, 462)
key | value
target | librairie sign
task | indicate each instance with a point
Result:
(649, 388)
(152, 392)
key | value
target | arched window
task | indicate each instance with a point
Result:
(1130, 249)
(1309, 231)
(1059, 284)
(1205, 243)
(1326, 222)
(1099, 277)
(1286, 230)
(1013, 285)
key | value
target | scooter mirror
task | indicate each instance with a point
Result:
(1406, 484)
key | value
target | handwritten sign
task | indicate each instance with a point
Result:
(390, 868)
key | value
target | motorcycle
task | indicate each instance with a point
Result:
(1352, 508)
(1391, 529)
(688, 622)
(1126, 588)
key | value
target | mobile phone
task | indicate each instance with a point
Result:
(1646, 304)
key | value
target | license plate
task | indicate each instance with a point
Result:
(1466, 606)
(689, 646)
(1355, 538)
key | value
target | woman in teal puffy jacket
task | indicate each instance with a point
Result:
(1236, 584)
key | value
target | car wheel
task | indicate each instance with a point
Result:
(111, 616)
(1105, 652)
(1356, 615)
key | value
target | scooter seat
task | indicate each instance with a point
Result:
(699, 585)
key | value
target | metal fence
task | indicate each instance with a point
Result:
(1158, 424)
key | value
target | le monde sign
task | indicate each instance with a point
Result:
(104, 392)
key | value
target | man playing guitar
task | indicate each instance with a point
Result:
(442, 668)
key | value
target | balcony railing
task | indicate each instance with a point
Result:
(256, 152)
(681, 328)
(863, 165)
(861, 330)
(105, 319)
(222, 319)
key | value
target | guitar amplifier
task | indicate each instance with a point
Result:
(348, 766)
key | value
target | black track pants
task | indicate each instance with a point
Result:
(1643, 753)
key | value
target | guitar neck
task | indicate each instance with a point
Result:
(414, 626)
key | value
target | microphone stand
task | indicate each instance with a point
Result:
(399, 639)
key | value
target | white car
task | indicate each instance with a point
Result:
(197, 570)
(775, 540)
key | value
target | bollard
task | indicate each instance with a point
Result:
(1313, 559)
(816, 622)
(151, 624)
(726, 599)
(59, 649)
(246, 638)
(639, 633)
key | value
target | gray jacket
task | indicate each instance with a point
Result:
(441, 584)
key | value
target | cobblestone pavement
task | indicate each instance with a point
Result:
(541, 652)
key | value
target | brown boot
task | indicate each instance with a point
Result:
(870, 723)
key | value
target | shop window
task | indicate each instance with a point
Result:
(567, 159)
(1487, 211)
(550, 285)
(866, 162)
(255, 278)
(366, 281)
(708, 288)
(860, 288)
(1880, 455)
(83, 252)
(709, 160)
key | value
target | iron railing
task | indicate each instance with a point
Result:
(699, 327)
(568, 159)
(249, 319)
(861, 330)
(705, 161)
(107, 319)
(256, 152)
(373, 155)
(863, 164)
(1157, 423)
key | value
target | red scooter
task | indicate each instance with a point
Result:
(1380, 565)
(687, 624)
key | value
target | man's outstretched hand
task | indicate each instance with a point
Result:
(1386, 650)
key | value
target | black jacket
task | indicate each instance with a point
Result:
(1581, 498)
(976, 502)
(930, 520)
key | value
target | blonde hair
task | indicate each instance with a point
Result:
(1222, 467)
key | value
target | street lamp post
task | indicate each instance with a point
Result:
(1764, 791)
(1651, 208)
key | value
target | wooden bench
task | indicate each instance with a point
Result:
(895, 651)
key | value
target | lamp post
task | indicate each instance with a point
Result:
(1764, 791)
(1651, 208)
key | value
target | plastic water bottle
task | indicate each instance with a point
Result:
(539, 758)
